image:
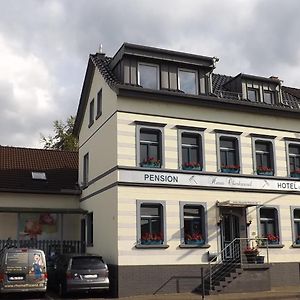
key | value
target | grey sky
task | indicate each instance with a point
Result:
(44, 47)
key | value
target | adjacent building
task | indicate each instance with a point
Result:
(39, 197)
(177, 163)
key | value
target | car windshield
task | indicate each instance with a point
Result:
(87, 262)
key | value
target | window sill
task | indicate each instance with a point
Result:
(194, 246)
(90, 125)
(295, 245)
(273, 246)
(140, 246)
(98, 116)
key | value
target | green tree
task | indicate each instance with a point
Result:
(63, 138)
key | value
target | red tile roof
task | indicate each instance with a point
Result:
(17, 165)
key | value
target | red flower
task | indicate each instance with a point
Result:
(151, 160)
(192, 164)
(272, 237)
(264, 169)
(152, 236)
(195, 236)
(296, 171)
(234, 167)
(251, 250)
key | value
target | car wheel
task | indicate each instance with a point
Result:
(61, 290)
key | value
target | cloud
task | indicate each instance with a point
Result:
(45, 45)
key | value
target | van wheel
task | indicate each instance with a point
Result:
(61, 290)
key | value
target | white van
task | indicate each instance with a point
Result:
(22, 270)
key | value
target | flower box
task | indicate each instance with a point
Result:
(151, 242)
(265, 173)
(295, 175)
(194, 242)
(260, 259)
(251, 258)
(149, 165)
(192, 168)
(227, 170)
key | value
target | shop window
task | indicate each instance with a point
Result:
(269, 225)
(150, 142)
(294, 160)
(99, 104)
(296, 221)
(188, 81)
(148, 76)
(264, 157)
(193, 225)
(151, 223)
(253, 94)
(229, 154)
(91, 120)
(191, 151)
(85, 181)
(268, 97)
(90, 229)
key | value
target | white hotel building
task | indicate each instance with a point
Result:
(179, 164)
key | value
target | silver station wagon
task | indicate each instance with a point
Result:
(78, 273)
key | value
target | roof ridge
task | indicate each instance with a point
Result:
(38, 149)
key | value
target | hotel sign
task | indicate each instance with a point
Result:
(202, 180)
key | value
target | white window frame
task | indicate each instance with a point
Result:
(157, 73)
(276, 207)
(196, 79)
(139, 203)
(263, 139)
(182, 204)
(139, 127)
(201, 145)
(287, 146)
(293, 208)
(224, 134)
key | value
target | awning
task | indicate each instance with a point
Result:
(231, 203)
(43, 210)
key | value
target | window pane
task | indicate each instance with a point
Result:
(267, 213)
(187, 81)
(293, 149)
(193, 211)
(252, 95)
(150, 210)
(148, 76)
(193, 224)
(153, 151)
(223, 158)
(185, 157)
(227, 143)
(194, 155)
(143, 152)
(262, 146)
(268, 97)
(190, 139)
(297, 214)
(148, 135)
(231, 158)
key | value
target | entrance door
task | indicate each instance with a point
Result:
(230, 230)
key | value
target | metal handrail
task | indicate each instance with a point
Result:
(237, 256)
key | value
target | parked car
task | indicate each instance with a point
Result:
(78, 273)
(22, 270)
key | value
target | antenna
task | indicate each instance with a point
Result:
(100, 48)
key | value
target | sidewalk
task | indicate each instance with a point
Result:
(289, 292)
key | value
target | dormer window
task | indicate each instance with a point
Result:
(269, 97)
(253, 94)
(148, 76)
(187, 81)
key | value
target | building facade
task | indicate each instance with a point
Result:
(39, 198)
(177, 162)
